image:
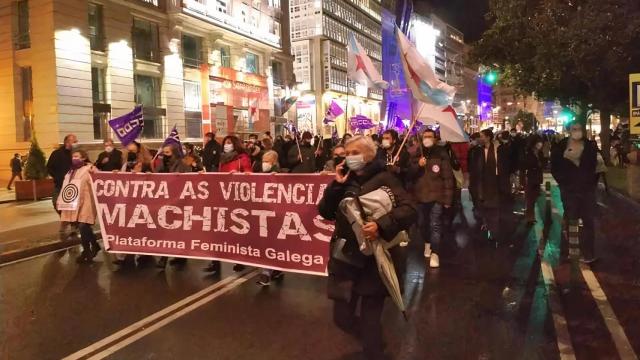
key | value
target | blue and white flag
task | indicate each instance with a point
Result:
(128, 126)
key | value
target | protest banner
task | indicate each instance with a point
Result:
(266, 220)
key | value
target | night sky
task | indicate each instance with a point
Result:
(465, 15)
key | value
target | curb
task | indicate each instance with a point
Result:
(39, 250)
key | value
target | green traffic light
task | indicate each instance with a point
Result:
(491, 77)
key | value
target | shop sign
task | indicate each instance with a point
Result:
(634, 104)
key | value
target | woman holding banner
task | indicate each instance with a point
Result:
(353, 276)
(172, 162)
(234, 159)
(77, 206)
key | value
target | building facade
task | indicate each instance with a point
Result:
(319, 33)
(68, 66)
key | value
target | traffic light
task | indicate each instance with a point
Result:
(566, 115)
(491, 77)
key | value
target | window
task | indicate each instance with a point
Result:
(22, 37)
(96, 27)
(276, 73)
(225, 56)
(191, 50)
(148, 94)
(192, 96)
(145, 40)
(24, 128)
(251, 63)
(97, 85)
(100, 108)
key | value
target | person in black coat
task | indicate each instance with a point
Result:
(16, 169)
(211, 153)
(59, 164)
(110, 159)
(474, 163)
(490, 172)
(303, 160)
(389, 147)
(573, 165)
(534, 168)
(353, 276)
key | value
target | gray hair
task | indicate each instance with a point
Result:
(370, 147)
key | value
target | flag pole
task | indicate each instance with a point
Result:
(413, 124)
(346, 113)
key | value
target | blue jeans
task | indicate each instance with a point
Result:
(430, 223)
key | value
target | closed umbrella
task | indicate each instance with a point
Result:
(372, 206)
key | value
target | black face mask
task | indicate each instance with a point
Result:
(131, 157)
(337, 160)
(166, 159)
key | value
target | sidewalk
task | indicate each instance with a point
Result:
(6, 195)
(626, 181)
(28, 228)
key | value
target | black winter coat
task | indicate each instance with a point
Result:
(435, 181)
(535, 168)
(489, 187)
(211, 155)
(571, 178)
(308, 164)
(59, 164)
(366, 280)
(114, 162)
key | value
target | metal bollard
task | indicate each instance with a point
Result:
(574, 250)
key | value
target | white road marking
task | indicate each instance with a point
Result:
(563, 338)
(557, 313)
(610, 319)
(624, 348)
(134, 332)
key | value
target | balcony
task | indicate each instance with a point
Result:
(210, 11)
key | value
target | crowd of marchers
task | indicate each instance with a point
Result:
(423, 175)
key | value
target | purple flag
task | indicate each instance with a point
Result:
(333, 112)
(361, 122)
(173, 139)
(292, 128)
(128, 126)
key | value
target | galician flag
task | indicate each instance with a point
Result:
(360, 67)
(421, 79)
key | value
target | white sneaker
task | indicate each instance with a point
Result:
(427, 250)
(434, 262)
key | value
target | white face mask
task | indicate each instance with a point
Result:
(228, 148)
(356, 162)
(108, 149)
(386, 143)
(576, 135)
(266, 167)
(428, 142)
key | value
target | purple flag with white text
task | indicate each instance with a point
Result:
(361, 122)
(174, 139)
(128, 126)
(333, 112)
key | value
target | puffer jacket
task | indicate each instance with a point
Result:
(434, 182)
(365, 280)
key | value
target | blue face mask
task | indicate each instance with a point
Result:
(356, 162)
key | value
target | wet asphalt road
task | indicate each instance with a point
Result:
(483, 303)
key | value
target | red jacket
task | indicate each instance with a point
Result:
(240, 163)
(461, 150)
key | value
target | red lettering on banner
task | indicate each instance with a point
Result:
(267, 220)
